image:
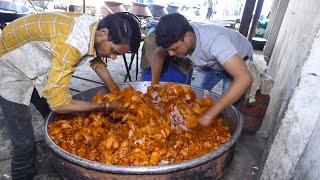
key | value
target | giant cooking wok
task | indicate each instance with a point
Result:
(211, 165)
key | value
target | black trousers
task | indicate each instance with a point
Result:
(17, 122)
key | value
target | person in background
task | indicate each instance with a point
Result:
(211, 7)
(72, 8)
(218, 52)
(38, 54)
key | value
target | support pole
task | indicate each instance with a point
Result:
(255, 19)
(84, 6)
(246, 17)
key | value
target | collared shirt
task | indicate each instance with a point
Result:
(41, 51)
(215, 45)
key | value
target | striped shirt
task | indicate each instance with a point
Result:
(41, 51)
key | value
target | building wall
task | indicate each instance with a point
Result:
(309, 163)
(294, 153)
(293, 114)
(295, 37)
(276, 16)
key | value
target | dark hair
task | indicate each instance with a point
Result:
(171, 28)
(72, 8)
(123, 27)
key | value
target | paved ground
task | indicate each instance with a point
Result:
(248, 151)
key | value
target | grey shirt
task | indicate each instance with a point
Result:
(215, 45)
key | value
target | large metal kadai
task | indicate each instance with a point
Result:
(208, 166)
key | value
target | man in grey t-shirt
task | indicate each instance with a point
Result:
(218, 51)
(214, 46)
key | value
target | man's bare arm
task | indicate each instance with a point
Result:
(242, 79)
(106, 77)
(157, 63)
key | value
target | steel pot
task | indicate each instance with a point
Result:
(140, 9)
(115, 6)
(172, 9)
(211, 165)
(105, 11)
(158, 10)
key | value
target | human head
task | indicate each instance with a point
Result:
(175, 34)
(117, 34)
(72, 8)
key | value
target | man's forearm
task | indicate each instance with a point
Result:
(236, 90)
(242, 79)
(156, 68)
(156, 65)
(106, 77)
(80, 106)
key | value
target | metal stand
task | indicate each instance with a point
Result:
(128, 68)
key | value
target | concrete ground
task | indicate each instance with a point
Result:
(249, 148)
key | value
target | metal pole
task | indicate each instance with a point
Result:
(246, 17)
(255, 19)
(84, 6)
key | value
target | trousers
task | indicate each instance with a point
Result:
(17, 123)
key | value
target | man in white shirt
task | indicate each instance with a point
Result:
(218, 51)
